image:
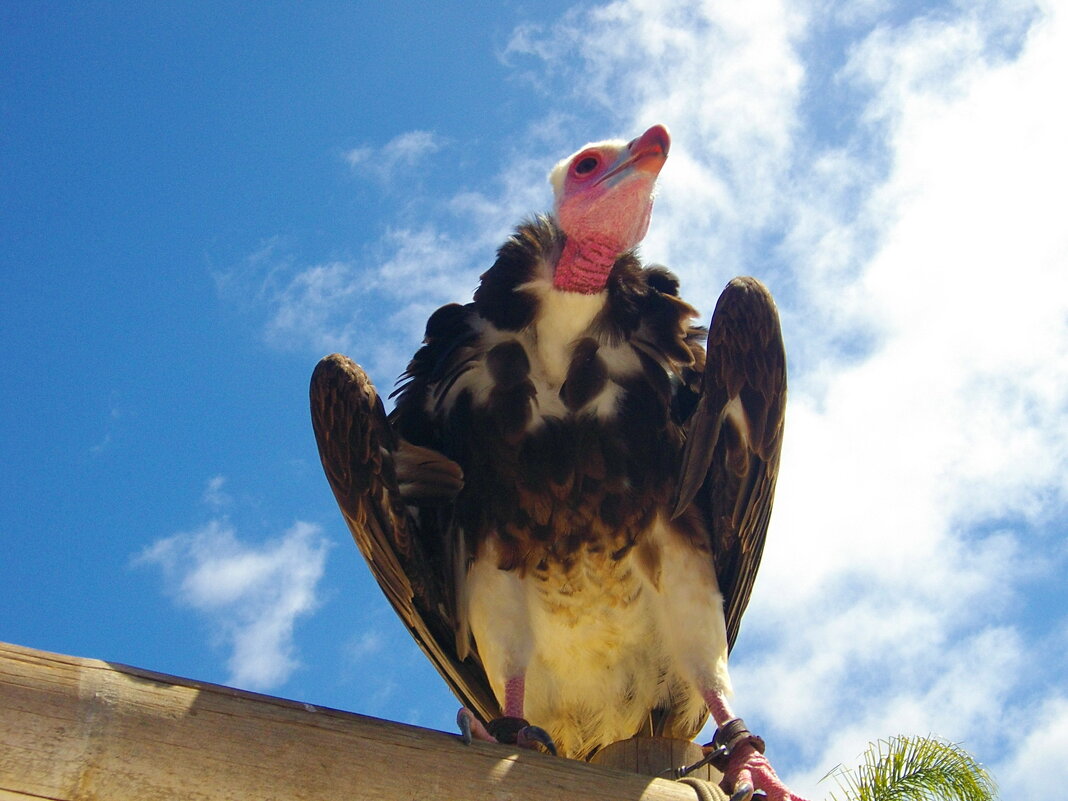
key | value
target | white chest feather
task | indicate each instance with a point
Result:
(604, 645)
(562, 318)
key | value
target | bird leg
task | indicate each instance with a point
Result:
(745, 770)
(515, 690)
(512, 728)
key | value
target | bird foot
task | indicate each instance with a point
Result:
(507, 730)
(471, 728)
(750, 775)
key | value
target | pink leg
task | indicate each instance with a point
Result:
(747, 769)
(514, 690)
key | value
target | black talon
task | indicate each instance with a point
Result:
(464, 722)
(528, 735)
(517, 731)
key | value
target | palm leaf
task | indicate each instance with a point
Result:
(915, 769)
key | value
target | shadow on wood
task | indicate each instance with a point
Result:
(73, 728)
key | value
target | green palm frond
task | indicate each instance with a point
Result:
(915, 769)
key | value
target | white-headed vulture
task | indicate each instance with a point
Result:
(568, 504)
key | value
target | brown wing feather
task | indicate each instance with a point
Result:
(357, 447)
(731, 458)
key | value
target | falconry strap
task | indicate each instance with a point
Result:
(726, 739)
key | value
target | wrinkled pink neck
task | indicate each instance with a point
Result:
(585, 264)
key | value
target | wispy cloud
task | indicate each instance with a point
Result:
(115, 413)
(252, 594)
(1040, 755)
(374, 306)
(403, 152)
(368, 643)
(214, 496)
(320, 305)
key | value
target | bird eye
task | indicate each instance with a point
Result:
(586, 165)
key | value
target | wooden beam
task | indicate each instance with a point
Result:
(77, 729)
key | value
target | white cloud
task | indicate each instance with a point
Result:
(1039, 758)
(318, 306)
(214, 496)
(252, 594)
(402, 152)
(374, 307)
(368, 643)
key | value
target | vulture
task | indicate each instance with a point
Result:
(568, 503)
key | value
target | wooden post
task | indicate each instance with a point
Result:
(655, 756)
(76, 729)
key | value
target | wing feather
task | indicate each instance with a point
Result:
(730, 461)
(358, 449)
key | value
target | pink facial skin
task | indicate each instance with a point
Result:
(603, 205)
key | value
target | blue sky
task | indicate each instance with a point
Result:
(200, 200)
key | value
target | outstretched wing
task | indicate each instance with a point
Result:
(362, 457)
(734, 437)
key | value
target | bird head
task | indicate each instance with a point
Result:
(604, 192)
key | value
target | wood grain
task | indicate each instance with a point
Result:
(78, 729)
